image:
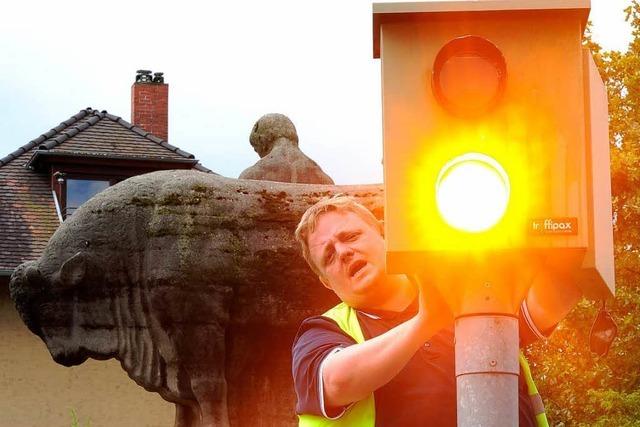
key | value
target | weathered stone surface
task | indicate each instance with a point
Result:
(275, 140)
(193, 282)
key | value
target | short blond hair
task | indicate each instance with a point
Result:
(337, 203)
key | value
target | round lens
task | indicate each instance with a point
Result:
(469, 76)
(472, 192)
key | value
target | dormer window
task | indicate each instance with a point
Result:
(73, 189)
(77, 176)
(79, 191)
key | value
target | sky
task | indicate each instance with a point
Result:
(226, 63)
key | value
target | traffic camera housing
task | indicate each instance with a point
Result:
(505, 92)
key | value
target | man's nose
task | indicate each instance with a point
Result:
(344, 251)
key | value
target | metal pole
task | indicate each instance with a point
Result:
(487, 370)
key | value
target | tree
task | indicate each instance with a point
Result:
(580, 388)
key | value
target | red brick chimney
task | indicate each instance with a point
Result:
(150, 103)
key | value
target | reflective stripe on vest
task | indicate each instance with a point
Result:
(536, 400)
(363, 413)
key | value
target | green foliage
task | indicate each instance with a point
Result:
(579, 388)
(75, 422)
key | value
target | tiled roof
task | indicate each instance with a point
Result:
(27, 210)
(94, 131)
(27, 213)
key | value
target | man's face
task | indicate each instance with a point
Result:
(349, 253)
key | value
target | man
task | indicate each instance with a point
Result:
(385, 356)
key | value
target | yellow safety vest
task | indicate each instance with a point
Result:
(363, 413)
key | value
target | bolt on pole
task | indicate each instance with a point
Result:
(487, 369)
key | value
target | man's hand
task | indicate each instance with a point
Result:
(355, 372)
(434, 311)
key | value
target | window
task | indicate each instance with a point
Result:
(81, 190)
(78, 176)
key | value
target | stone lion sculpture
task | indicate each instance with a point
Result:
(193, 282)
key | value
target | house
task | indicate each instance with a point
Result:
(45, 180)
(41, 184)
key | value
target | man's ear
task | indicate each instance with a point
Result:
(324, 282)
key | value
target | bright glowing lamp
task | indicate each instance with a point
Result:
(472, 192)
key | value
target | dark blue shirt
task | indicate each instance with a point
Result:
(423, 393)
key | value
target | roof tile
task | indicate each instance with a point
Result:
(139, 131)
(129, 126)
(155, 139)
(82, 126)
(184, 153)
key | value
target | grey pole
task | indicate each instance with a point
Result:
(487, 370)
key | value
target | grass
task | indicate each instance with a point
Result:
(75, 422)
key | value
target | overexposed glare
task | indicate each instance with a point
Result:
(472, 192)
(226, 63)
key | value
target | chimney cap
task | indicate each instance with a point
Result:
(143, 76)
(158, 77)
